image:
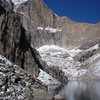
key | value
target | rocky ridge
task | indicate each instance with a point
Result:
(16, 84)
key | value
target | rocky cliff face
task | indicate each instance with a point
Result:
(15, 45)
(46, 27)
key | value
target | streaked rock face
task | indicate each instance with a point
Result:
(14, 44)
(34, 13)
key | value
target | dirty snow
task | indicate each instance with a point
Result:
(96, 69)
(62, 58)
(7, 62)
(93, 58)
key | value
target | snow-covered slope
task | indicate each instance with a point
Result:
(48, 80)
(66, 60)
(62, 58)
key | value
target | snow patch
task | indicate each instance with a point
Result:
(40, 28)
(94, 57)
(51, 30)
(46, 48)
(94, 47)
(62, 58)
(46, 78)
(94, 71)
(74, 52)
(19, 2)
(7, 62)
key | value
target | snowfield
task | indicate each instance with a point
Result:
(64, 60)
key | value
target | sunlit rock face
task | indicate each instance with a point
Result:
(46, 27)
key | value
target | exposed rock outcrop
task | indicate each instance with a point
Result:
(16, 84)
(14, 42)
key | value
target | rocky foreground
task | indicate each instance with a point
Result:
(16, 84)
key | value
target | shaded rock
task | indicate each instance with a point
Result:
(84, 55)
(15, 43)
(17, 85)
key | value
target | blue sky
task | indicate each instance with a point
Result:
(77, 10)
